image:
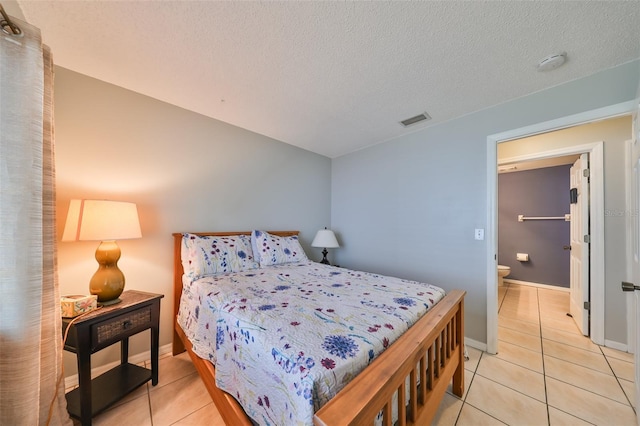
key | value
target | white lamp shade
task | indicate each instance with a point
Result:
(325, 238)
(101, 220)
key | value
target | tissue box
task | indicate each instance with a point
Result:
(74, 305)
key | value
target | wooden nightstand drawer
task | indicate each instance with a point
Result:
(115, 329)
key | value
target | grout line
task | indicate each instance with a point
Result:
(192, 412)
(544, 371)
(512, 389)
(591, 392)
(618, 381)
(464, 400)
(149, 398)
(516, 364)
(504, 296)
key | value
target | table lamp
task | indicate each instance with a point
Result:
(325, 238)
(104, 221)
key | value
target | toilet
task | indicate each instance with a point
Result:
(503, 271)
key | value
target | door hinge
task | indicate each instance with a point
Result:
(586, 173)
(587, 306)
(587, 239)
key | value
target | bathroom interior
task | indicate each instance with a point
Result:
(534, 251)
(533, 231)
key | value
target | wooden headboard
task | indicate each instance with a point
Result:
(178, 347)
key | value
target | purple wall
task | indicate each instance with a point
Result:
(540, 192)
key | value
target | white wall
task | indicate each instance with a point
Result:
(13, 9)
(409, 207)
(614, 133)
(186, 172)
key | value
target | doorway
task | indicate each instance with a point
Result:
(595, 151)
(542, 228)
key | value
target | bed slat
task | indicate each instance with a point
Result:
(402, 404)
(413, 394)
(387, 414)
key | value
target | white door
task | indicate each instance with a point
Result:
(579, 263)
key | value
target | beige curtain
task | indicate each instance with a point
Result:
(30, 322)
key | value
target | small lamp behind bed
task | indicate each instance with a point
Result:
(325, 238)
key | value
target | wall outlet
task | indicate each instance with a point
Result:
(479, 235)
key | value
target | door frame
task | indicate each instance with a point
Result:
(630, 302)
(597, 211)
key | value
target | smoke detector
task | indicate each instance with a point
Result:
(552, 62)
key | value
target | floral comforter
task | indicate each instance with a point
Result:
(285, 339)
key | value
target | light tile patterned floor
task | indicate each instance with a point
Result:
(545, 373)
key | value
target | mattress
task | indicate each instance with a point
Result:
(285, 339)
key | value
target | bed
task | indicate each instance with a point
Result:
(404, 384)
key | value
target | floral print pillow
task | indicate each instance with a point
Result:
(274, 250)
(210, 255)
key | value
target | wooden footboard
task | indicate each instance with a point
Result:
(430, 354)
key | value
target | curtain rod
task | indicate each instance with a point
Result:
(6, 22)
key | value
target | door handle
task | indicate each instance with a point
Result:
(629, 286)
(566, 247)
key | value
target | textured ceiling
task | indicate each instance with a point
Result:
(334, 77)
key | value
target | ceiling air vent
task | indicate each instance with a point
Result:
(414, 120)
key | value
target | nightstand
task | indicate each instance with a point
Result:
(99, 329)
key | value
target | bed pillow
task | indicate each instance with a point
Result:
(270, 249)
(211, 255)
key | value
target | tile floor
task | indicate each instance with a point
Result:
(545, 373)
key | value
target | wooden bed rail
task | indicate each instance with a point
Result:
(430, 356)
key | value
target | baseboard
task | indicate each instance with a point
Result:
(530, 284)
(475, 344)
(616, 345)
(72, 381)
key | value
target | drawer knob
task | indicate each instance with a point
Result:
(127, 324)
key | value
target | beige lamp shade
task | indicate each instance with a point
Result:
(100, 220)
(105, 221)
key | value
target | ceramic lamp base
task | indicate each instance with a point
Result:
(108, 281)
(110, 302)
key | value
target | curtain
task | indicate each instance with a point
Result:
(30, 321)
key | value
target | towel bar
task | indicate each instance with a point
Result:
(566, 217)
